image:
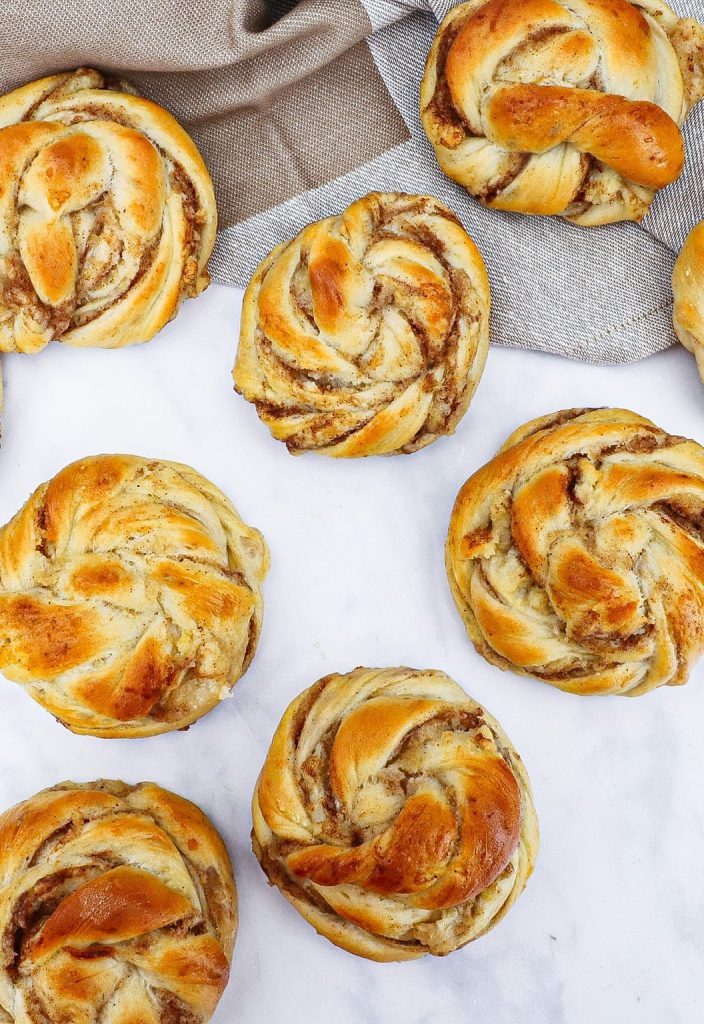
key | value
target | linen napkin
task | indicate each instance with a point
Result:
(301, 107)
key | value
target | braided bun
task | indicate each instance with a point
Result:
(366, 334)
(576, 554)
(688, 290)
(556, 107)
(394, 814)
(130, 596)
(107, 215)
(117, 904)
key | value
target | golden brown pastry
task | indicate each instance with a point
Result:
(394, 814)
(576, 554)
(557, 107)
(688, 290)
(117, 906)
(130, 596)
(107, 214)
(367, 334)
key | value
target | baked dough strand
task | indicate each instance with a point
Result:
(576, 554)
(394, 814)
(117, 904)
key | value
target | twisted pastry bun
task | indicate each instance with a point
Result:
(394, 814)
(576, 554)
(557, 107)
(130, 596)
(117, 906)
(688, 290)
(107, 215)
(367, 334)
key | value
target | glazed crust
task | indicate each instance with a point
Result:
(688, 291)
(576, 554)
(130, 596)
(394, 814)
(118, 905)
(556, 107)
(367, 334)
(107, 214)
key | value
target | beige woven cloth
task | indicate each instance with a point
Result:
(301, 107)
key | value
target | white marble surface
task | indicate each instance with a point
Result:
(611, 926)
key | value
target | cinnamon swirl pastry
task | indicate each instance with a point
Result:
(117, 904)
(394, 814)
(688, 290)
(107, 214)
(130, 596)
(576, 555)
(367, 334)
(569, 107)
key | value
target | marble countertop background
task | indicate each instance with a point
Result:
(611, 926)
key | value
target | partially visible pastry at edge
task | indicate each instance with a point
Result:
(576, 555)
(367, 334)
(394, 814)
(117, 906)
(130, 596)
(688, 291)
(556, 107)
(107, 214)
